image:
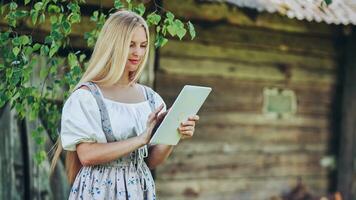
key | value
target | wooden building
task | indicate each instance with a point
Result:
(239, 151)
(283, 102)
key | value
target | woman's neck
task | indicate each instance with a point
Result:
(124, 81)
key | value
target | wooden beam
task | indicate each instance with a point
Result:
(215, 12)
(7, 176)
(237, 188)
(347, 145)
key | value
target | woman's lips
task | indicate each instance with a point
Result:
(135, 62)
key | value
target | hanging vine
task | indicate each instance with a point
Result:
(22, 51)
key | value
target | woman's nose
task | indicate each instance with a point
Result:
(138, 51)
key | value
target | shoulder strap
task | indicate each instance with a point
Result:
(150, 97)
(105, 121)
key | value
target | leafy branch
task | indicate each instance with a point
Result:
(35, 76)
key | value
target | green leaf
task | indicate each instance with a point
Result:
(41, 155)
(24, 39)
(76, 70)
(72, 60)
(54, 8)
(44, 50)
(34, 16)
(38, 6)
(73, 7)
(94, 18)
(16, 51)
(191, 30)
(27, 1)
(178, 23)
(4, 36)
(153, 18)
(181, 33)
(160, 41)
(164, 29)
(66, 27)
(82, 57)
(172, 29)
(118, 4)
(28, 50)
(42, 18)
(158, 29)
(170, 16)
(75, 18)
(21, 13)
(53, 50)
(140, 9)
(36, 47)
(16, 41)
(16, 77)
(13, 6)
(328, 2)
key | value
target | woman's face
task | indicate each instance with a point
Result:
(137, 50)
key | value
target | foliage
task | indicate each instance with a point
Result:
(22, 52)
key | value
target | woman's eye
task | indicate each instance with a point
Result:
(144, 46)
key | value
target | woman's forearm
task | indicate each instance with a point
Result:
(99, 153)
(158, 154)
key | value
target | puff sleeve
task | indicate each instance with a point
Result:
(81, 121)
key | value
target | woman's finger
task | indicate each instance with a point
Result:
(186, 128)
(187, 133)
(153, 115)
(188, 123)
(194, 118)
(159, 109)
(163, 115)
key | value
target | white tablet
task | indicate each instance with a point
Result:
(188, 103)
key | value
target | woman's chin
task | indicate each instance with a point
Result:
(132, 68)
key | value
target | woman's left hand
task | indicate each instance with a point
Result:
(186, 129)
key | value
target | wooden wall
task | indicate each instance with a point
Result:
(237, 152)
(20, 176)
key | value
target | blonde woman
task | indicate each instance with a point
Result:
(108, 119)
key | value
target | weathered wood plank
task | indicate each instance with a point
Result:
(174, 83)
(260, 134)
(225, 118)
(242, 71)
(256, 38)
(10, 178)
(347, 143)
(248, 56)
(196, 146)
(235, 189)
(247, 96)
(170, 85)
(240, 165)
(234, 103)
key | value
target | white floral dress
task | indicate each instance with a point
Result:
(82, 121)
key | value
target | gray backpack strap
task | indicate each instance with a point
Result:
(150, 97)
(105, 121)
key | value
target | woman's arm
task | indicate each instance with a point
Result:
(98, 153)
(160, 152)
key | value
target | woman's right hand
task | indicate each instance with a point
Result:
(152, 120)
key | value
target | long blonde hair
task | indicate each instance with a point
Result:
(106, 66)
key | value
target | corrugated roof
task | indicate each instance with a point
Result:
(338, 12)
